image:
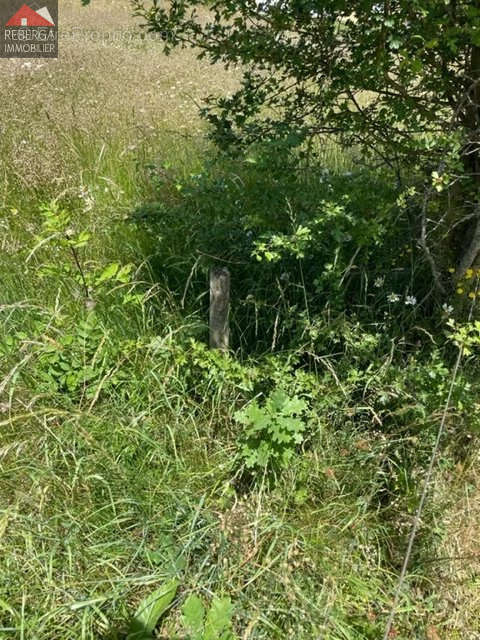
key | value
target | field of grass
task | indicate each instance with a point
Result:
(120, 438)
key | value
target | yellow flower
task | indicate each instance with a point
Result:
(469, 273)
(460, 290)
(451, 270)
(471, 295)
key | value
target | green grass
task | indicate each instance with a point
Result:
(110, 504)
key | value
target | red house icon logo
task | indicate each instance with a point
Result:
(26, 17)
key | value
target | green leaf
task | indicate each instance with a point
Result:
(193, 615)
(219, 619)
(252, 415)
(276, 401)
(123, 274)
(150, 610)
(395, 42)
(293, 405)
(108, 273)
(81, 240)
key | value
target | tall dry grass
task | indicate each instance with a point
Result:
(108, 96)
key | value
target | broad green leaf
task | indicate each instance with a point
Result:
(81, 240)
(294, 405)
(276, 401)
(108, 273)
(219, 619)
(193, 615)
(150, 610)
(123, 274)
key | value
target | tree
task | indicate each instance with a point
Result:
(398, 78)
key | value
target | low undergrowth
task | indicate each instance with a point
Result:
(281, 478)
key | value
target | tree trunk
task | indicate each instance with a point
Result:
(472, 162)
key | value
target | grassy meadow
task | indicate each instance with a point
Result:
(127, 456)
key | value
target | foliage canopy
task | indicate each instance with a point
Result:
(399, 79)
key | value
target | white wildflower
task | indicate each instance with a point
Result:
(448, 309)
(393, 297)
(90, 304)
(410, 300)
(379, 282)
(85, 195)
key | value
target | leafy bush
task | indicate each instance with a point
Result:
(272, 433)
(306, 247)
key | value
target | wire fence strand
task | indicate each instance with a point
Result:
(426, 486)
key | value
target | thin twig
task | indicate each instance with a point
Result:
(79, 267)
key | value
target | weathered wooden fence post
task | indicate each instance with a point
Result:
(219, 308)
